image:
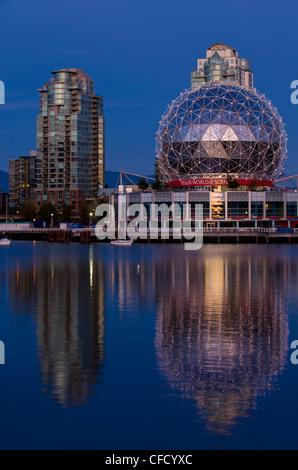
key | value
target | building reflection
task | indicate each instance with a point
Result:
(22, 287)
(69, 294)
(130, 284)
(222, 331)
(221, 327)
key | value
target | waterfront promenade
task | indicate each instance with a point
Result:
(211, 235)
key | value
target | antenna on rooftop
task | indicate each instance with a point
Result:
(121, 176)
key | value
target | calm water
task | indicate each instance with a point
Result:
(148, 347)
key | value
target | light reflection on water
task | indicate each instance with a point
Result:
(221, 320)
(222, 332)
(69, 297)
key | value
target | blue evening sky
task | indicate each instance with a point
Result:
(140, 54)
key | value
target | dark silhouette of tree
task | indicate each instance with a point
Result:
(232, 183)
(253, 185)
(46, 211)
(143, 184)
(66, 213)
(29, 212)
(84, 214)
(157, 185)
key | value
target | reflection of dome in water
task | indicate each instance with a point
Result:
(221, 128)
(222, 336)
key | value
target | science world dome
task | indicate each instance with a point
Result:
(221, 128)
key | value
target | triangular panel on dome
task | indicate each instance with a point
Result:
(248, 148)
(210, 135)
(220, 130)
(244, 133)
(236, 150)
(263, 135)
(223, 117)
(230, 135)
(186, 135)
(196, 132)
(255, 130)
(233, 118)
(201, 151)
(233, 166)
(275, 136)
(243, 150)
(215, 149)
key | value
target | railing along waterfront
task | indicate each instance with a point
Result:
(205, 229)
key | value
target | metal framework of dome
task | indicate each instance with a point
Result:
(219, 129)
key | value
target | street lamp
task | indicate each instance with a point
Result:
(52, 220)
(91, 216)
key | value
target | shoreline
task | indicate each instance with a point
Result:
(214, 236)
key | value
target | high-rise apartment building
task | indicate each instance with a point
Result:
(22, 181)
(70, 140)
(222, 63)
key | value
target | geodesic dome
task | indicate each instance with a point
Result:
(221, 128)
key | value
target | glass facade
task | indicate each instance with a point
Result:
(205, 208)
(292, 209)
(238, 209)
(257, 209)
(274, 209)
(225, 209)
(70, 139)
(219, 129)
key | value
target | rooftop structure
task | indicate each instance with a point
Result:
(222, 63)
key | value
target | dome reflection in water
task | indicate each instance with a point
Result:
(222, 331)
(220, 318)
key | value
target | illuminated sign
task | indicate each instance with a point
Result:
(201, 182)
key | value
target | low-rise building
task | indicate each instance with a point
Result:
(221, 207)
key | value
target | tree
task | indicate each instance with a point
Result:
(232, 184)
(101, 200)
(253, 185)
(156, 170)
(66, 213)
(46, 211)
(84, 214)
(143, 184)
(29, 211)
(157, 185)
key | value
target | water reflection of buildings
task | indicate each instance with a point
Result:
(221, 328)
(131, 284)
(70, 302)
(222, 331)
